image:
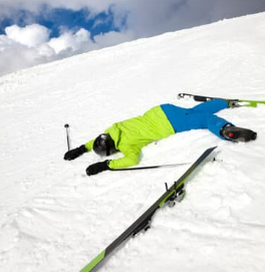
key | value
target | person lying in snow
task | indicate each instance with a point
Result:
(130, 136)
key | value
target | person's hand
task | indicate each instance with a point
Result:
(74, 153)
(96, 168)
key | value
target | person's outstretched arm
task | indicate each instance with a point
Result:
(131, 158)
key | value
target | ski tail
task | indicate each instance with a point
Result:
(94, 262)
(232, 102)
(174, 193)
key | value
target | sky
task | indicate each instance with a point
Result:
(39, 31)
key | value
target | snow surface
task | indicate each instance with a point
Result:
(54, 218)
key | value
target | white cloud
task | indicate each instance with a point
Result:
(69, 40)
(152, 17)
(31, 35)
(150, 14)
(17, 56)
(112, 38)
(24, 47)
(35, 6)
(31, 45)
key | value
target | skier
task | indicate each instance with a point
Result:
(131, 135)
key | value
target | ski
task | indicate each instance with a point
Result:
(232, 102)
(175, 193)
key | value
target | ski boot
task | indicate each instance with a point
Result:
(236, 134)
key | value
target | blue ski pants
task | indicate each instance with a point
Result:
(199, 117)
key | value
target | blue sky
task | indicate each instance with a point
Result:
(61, 18)
(40, 31)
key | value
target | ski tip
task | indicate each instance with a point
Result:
(212, 148)
(180, 95)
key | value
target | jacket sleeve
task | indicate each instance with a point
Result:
(131, 158)
(89, 145)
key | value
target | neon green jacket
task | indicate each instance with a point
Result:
(131, 135)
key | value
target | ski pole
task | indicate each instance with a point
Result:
(150, 167)
(67, 136)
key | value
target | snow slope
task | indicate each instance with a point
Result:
(53, 218)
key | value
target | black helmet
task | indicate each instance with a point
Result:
(104, 145)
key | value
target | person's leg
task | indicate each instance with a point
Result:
(177, 116)
(199, 117)
(221, 127)
(215, 124)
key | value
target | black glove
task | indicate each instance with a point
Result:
(74, 153)
(97, 168)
